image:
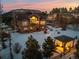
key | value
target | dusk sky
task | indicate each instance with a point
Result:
(44, 5)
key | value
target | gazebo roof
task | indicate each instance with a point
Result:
(64, 38)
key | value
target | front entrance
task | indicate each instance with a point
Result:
(34, 23)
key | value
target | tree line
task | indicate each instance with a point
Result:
(65, 10)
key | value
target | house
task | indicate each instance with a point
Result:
(64, 44)
(27, 20)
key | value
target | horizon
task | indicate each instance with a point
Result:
(43, 5)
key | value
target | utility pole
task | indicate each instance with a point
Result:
(0, 11)
(0, 17)
(0, 22)
(10, 47)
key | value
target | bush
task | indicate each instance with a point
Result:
(17, 48)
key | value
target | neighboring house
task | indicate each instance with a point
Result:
(50, 19)
(75, 14)
(59, 19)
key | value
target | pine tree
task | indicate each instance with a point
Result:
(48, 47)
(77, 48)
(32, 51)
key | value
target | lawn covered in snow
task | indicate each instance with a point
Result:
(39, 36)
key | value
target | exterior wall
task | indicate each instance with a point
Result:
(59, 47)
(69, 45)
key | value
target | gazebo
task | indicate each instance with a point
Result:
(64, 44)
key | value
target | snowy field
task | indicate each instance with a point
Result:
(39, 36)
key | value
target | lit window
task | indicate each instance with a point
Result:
(31, 27)
(33, 19)
(42, 27)
(24, 23)
(25, 28)
(42, 22)
(37, 22)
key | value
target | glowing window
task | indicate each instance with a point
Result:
(33, 19)
(42, 22)
(24, 23)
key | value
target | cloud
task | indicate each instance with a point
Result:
(41, 6)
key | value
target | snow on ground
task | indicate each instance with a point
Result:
(39, 36)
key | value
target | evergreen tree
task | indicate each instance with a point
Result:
(77, 48)
(70, 9)
(48, 47)
(32, 51)
(32, 43)
(59, 10)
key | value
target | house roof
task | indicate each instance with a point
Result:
(26, 11)
(64, 38)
